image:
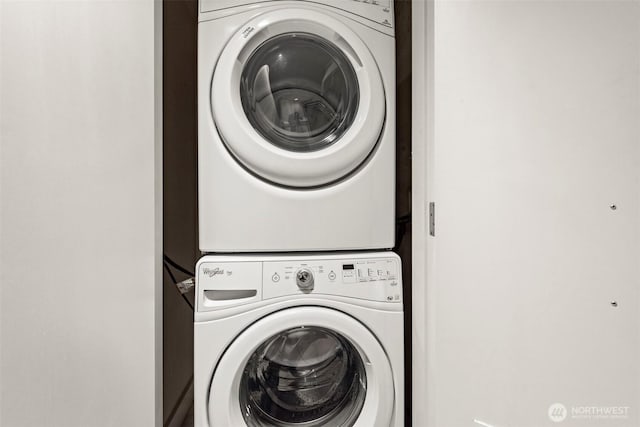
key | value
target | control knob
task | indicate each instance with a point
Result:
(304, 279)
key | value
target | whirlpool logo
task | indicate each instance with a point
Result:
(212, 272)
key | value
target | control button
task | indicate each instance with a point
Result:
(275, 277)
(390, 298)
(396, 297)
(332, 275)
(348, 276)
(394, 283)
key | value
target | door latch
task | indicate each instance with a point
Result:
(432, 218)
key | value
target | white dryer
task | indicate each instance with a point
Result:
(299, 341)
(296, 125)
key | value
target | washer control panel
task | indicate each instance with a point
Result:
(376, 279)
(225, 281)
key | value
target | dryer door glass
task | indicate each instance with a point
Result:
(299, 91)
(309, 376)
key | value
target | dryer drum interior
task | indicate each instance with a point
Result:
(307, 376)
(299, 91)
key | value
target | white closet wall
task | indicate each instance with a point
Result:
(527, 138)
(80, 214)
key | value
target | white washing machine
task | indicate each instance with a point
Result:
(309, 340)
(296, 125)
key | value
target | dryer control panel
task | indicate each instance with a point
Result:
(226, 281)
(374, 12)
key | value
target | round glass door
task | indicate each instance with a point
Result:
(297, 98)
(329, 370)
(299, 91)
(307, 376)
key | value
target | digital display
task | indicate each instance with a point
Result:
(347, 266)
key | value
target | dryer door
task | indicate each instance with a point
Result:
(306, 366)
(298, 98)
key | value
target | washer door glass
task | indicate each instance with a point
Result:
(307, 376)
(299, 91)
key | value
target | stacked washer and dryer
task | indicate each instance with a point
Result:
(299, 314)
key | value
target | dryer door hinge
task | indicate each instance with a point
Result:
(432, 218)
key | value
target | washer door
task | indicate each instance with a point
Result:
(298, 98)
(305, 366)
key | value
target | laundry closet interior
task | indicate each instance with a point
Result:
(182, 118)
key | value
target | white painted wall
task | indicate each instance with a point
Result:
(80, 213)
(532, 131)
